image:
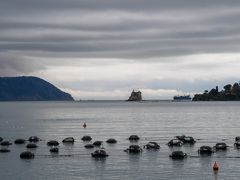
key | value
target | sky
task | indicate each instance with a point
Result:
(102, 49)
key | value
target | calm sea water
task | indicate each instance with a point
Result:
(210, 122)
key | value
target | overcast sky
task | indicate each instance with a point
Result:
(102, 49)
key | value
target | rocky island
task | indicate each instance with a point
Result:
(229, 93)
(29, 88)
(135, 96)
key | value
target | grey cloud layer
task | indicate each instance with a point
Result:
(12, 65)
(120, 29)
(43, 37)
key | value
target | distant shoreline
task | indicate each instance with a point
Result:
(157, 100)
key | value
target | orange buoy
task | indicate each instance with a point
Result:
(84, 125)
(215, 166)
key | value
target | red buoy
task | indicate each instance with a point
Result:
(84, 125)
(215, 166)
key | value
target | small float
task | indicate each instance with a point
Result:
(178, 155)
(188, 140)
(134, 149)
(100, 153)
(152, 145)
(175, 142)
(31, 146)
(19, 141)
(220, 146)
(237, 144)
(53, 143)
(27, 155)
(33, 139)
(215, 166)
(237, 138)
(86, 138)
(89, 146)
(97, 143)
(54, 150)
(4, 150)
(133, 138)
(181, 137)
(68, 140)
(6, 143)
(205, 150)
(111, 141)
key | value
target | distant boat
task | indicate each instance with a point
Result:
(182, 98)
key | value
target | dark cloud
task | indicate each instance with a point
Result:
(50, 34)
(120, 29)
(133, 5)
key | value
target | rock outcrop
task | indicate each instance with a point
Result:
(135, 96)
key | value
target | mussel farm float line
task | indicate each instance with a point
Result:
(133, 149)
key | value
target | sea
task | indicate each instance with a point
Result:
(159, 121)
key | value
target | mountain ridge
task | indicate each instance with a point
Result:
(30, 88)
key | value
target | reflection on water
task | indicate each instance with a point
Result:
(99, 163)
(215, 173)
(209, 122)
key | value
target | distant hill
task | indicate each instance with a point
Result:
(28, 88)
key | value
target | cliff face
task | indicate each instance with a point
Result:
(230, 93)
(135, 96)
(27, 88)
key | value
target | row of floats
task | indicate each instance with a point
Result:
(132, 149)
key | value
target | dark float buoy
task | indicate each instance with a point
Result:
(33, 139)
(111, 141)
(52, 143)
(100, 153)
(19, 141)
(31, 146)
(6, 143)
(237, 144)
(68, 140)
(97, 143)
(4, 150)
(178, 155)
(175, 142)
(134, 149)
(220, 146)
(89, 146)
(1, 139)
(86, 138)
(27, 155)
(205, 150)
(188, 140)
(84, 125)
(181, 138)
(152, 145)
(54, 150)
(237, 138)
(134, 138)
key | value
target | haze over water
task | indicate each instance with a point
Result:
(152, 121)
